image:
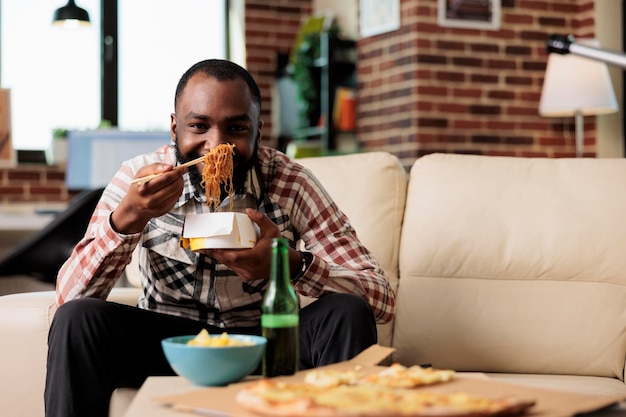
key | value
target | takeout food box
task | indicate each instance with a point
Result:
(220, 401)
(220, 230)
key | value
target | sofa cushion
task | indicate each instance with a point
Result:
(514, 265)
(370, 189)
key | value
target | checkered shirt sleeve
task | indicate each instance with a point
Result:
(98, 260)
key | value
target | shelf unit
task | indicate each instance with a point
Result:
(335, 67)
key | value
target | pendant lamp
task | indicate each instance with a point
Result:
(70, 16)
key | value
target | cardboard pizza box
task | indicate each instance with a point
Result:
(220, 230)
(220, 401)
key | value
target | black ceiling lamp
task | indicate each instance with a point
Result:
(70, 16)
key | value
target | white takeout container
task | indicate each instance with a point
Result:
(221, 230)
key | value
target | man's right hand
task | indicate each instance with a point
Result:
(148, 200)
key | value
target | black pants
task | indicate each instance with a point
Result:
(96, 346)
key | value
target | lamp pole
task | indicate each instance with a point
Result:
(566, 44)
(580, 134)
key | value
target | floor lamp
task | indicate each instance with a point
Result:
(577, 86)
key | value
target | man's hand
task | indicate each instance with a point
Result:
(148, 200)
(253, 263)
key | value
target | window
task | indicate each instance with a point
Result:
(54, 73)
(181, 33)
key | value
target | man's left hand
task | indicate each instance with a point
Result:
(254, 263)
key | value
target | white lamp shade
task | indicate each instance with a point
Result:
(575, 84)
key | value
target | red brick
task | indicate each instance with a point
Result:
(57, 175)
(518, 80)
(485, 48)
(551, 141)
(467, 62)
(467, 124)
(6, 191)
(518, 140)
(47, 191)
(533, 5)
(424, 106)
(432, 122)
(501, 94)
(451, 45)
(24, 175)
(428, 90)
(452, 138)
(431, 59)
(481, 109)
(518, 50)
(564, 7)
(501, 64)
(452, 108)
(467, 92)
(486, 139)
(518, 19)
(539, 67)
(522, 111)
(557, 22)
(500, 125)
(450, 76)
(483, 78)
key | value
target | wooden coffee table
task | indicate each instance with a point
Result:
(144, 404)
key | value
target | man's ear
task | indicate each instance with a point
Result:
(173, 127)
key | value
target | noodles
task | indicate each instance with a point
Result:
(218, 169)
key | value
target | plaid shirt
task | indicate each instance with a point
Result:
(181, 282)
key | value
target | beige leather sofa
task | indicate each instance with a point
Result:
(512, 267)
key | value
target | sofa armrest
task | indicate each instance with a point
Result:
(24, 322)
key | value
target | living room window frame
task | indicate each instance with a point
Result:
(109, 107)
(109, 63)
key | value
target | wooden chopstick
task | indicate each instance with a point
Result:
(147, 178)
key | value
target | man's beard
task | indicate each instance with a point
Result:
(240, 171)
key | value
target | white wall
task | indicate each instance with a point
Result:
(346, 12)
(609, 34)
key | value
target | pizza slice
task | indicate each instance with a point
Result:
(395, 376)
(400, 376)
(268, 397)
(332, 377)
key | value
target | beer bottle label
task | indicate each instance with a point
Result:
(279, 320)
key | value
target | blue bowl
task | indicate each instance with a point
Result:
(213, 366)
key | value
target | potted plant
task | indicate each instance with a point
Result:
(59, 146)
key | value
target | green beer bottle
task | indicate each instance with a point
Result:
(279, 316)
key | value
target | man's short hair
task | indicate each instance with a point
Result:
(222, 70)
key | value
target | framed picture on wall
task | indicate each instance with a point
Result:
(470, 14)
(378, 16)
(7, 155)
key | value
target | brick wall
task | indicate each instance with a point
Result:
(33, 184)
(426, 88)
